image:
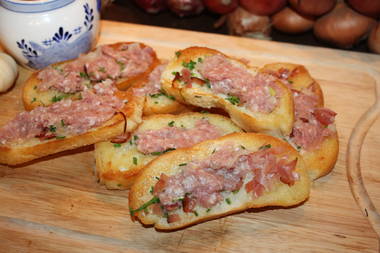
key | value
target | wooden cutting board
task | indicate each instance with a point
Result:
(55, 204)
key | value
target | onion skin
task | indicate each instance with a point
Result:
(343, 27)
(313, 7)
(263, 7)
(289, 21)
(152, 6)
(185, 7)
(367, 7)
(374, 39)
(221, 6)
(243, 23)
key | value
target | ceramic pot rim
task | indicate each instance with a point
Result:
(35, 6)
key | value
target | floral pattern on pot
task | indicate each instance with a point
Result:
(60, 46)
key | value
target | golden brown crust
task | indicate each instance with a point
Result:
(321, 160)
(33, 98)
(277, 122)
(34, 148)
(115, 164)
(280, 195)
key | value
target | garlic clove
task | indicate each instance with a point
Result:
(8, 70)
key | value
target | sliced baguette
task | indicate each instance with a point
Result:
(118, 165)
(321, 160)
(277, 122)
(280, 195)
(30, 149)
(32, 97)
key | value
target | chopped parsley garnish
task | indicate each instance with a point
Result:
(200, 60)
(197, 96)
(182, 164)
(195, 213)
(190, 65)
(272, 92)
(60, 137)
(102, 69)
(84, 75)
(121, 64)
(299, 148)
(228, 201)
(233, 99)
(151, 190)
(135, 137)
(242, 147)
(213, 151)
(208, 84)
(154, 200)
(155, 102)
(52, 128)
(178, 53)
(171, 123)
(34, 100)
(290, 81)
(62, 123)
(57, 98)
(135, 160)
(162, 93)
(208, 210)
(157, 178)
(117, 145)
(236, 191)
(163, 152)
(265, 147)
(175, 73)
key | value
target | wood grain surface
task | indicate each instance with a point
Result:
(55, 204)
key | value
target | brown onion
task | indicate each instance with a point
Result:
(152, 6)
(343, 26)
(374, 39)
(263, 7)
(243, 23)
(289, 21)
(221, 6)
(313, 7)
(367, 7)
(185, 7)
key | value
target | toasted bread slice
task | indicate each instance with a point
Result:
(117, 165)
(296, 76)
(146, 202)
(156, 100)
(125, 120)
(162, 103)
(33, 97)
(321, 159)
(197, 91)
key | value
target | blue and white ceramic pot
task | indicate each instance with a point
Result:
(41, 32)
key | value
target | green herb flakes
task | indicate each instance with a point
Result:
(154, 200)
(228, 201)
(135, 160)
(182, 164)
(52, 128)
(233, 99)
(265, 147)
(116, 145)
(190, 65)
(57, 98)
(171, 123)
(178, 53)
